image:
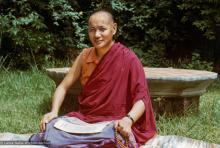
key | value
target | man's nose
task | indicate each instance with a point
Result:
(97, 34)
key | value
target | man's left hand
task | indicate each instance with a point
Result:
(123, 126)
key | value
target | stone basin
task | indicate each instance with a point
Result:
(172, 90)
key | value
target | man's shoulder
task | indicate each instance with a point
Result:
(129, 53)
(87, 51)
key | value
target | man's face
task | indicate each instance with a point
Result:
(101, 30)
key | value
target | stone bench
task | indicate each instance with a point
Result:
(172, 90)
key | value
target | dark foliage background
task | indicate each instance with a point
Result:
(177, 33)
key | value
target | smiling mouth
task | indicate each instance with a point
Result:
(98, 41)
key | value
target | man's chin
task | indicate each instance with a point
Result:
(99, 46)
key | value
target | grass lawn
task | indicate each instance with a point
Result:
(204, 126)
(26, 96)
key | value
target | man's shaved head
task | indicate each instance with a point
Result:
(107, 13)
(101, 29)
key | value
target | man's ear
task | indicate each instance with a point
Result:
(114, 28)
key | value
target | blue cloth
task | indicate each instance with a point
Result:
(56, 138)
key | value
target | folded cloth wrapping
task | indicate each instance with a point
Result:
(169, 141)
(173, 141)
(92, 138)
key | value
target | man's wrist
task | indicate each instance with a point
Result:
(54, 112)
(129, 116)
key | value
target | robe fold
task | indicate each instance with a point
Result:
(114, 86)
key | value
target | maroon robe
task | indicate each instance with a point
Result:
(115, 85)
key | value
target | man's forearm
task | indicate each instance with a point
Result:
(58, 98)
(137, 110)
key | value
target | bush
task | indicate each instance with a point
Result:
(56, 29)
(33, 34)
(195, 63)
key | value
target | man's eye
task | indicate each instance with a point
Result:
(91, 29)
(102, 29)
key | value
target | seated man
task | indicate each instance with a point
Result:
(114, 89)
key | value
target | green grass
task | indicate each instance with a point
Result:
(26, 96)
(203, 126)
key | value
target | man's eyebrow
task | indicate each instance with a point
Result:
(98, 26)
(102, 26)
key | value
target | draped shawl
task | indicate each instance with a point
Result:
(115, 85)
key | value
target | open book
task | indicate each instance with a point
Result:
(80, 127)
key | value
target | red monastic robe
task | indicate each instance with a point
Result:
(115, 85)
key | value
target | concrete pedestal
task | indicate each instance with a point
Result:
(171, 90)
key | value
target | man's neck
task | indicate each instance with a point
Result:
(101, 52)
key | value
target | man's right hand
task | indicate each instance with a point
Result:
(46, 119)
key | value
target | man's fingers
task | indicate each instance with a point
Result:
(120, 127)
(116, 124)
(42, 125)
(125, 133)
(123, 128)
(46, 119)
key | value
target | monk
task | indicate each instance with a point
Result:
(114, 89)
